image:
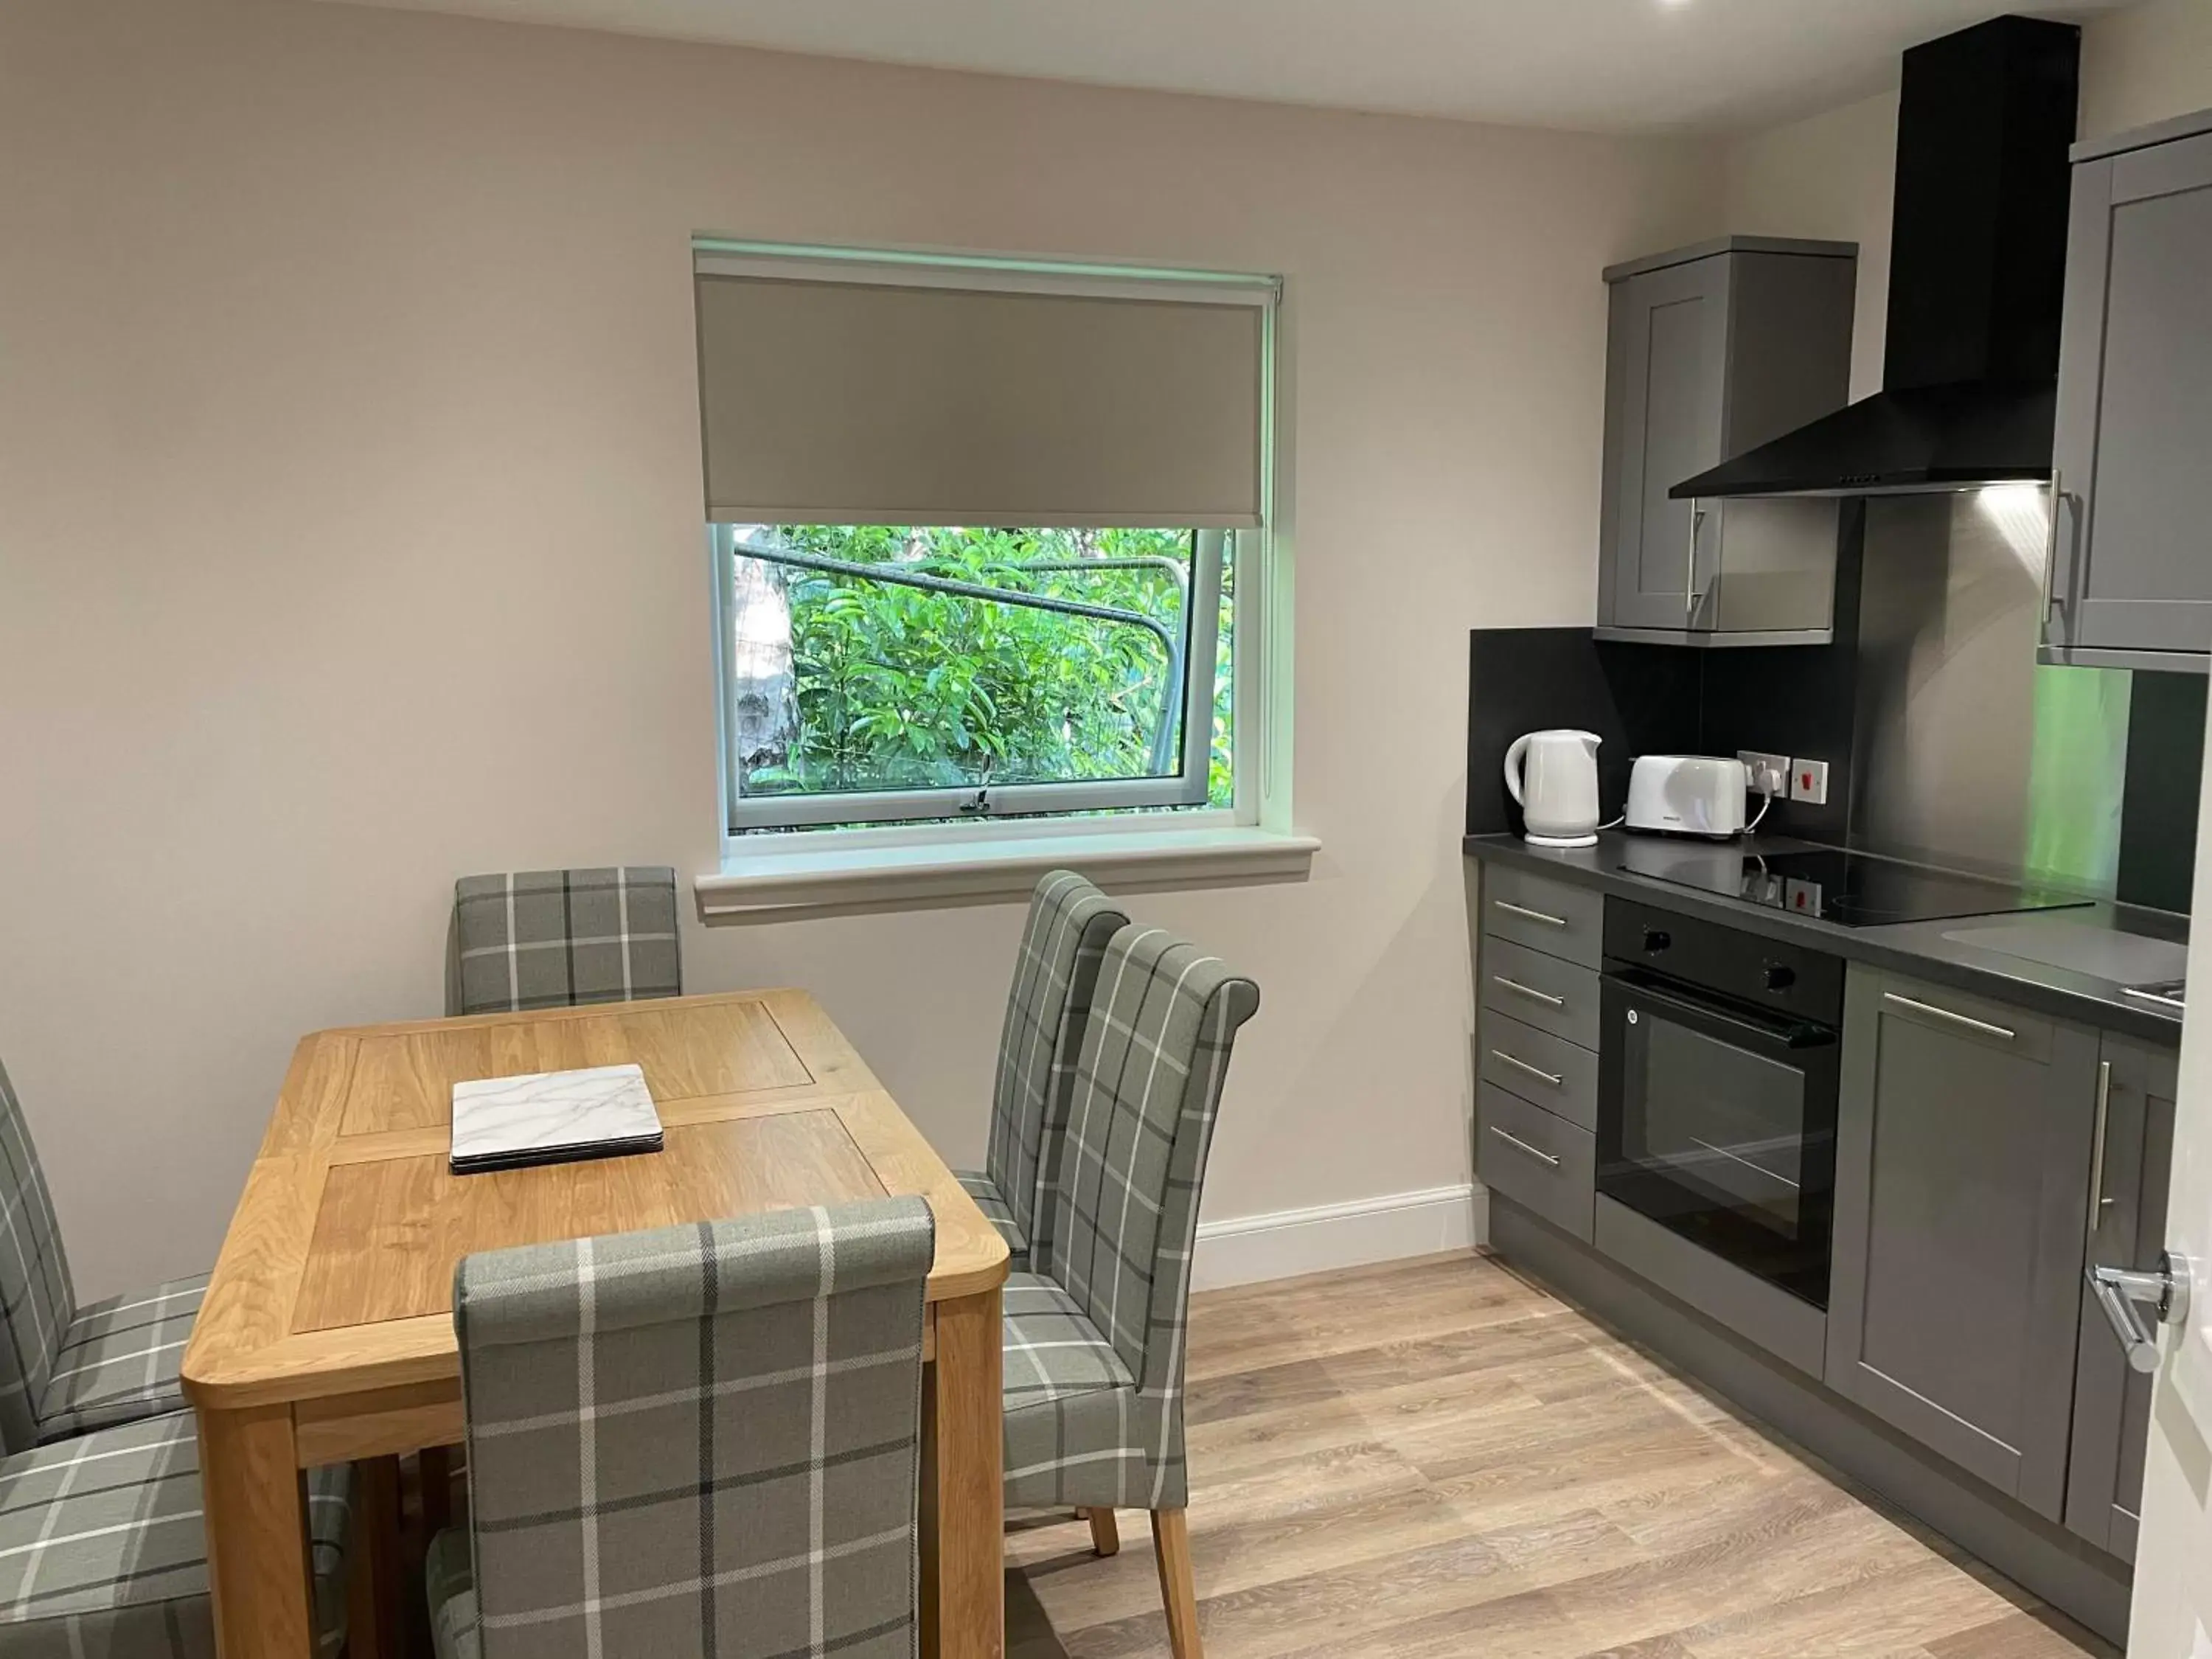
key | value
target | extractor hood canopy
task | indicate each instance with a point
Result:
(1976, 279)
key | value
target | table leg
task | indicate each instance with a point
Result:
(964, 1521)
(256, 1503)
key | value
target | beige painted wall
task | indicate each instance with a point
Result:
(349, 539)
(1831, 174)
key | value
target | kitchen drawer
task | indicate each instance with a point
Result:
(1552, 995)
(1546, 915)
(1536, 1159)
(1536, 1065)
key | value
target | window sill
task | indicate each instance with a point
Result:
(837, 880)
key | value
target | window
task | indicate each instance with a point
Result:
(875, 673)
(980, 534)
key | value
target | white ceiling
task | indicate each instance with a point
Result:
(1601, 65)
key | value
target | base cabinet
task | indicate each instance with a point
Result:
(2131, 1159)
(1962, 1166)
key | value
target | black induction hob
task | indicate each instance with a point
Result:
(1854, 889)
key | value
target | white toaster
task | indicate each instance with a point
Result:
(1688, 795)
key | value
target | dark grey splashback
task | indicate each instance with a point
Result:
(1945, 742)
(1658, 700)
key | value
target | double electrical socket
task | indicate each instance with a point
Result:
(1779, 775)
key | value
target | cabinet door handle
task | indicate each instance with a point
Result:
(2097, 1201)
(1516, 1140)
(1690, 595)
(2004, 1032)
(1519, 1065)
(1548, 920)
(2050, 599)
(1528, 991)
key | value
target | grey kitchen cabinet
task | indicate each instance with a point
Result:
(1536, 1157)
(1712, 350)
(1962, 1166)
(2130, 570)
(1538, 945)
(2131, 1160)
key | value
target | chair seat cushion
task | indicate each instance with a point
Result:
(450, 1580)
(1078, 1429)
(1000, 1213)
(120, 1359)
(102, 1549)
(1053, 1350)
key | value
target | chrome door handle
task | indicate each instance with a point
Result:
(1529, 991)
(1545, 917)
(2166, 1291)
(2005, 1032)
(1516, 1140)
(1554, 1078)
(2098, 1202)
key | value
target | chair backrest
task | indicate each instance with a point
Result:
(1146, 1089)
(699, 1439)
(1069, 923)
(548, 939)
(36, 1299)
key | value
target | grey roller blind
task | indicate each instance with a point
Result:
(879, 401)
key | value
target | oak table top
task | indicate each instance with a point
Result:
(336, 1277)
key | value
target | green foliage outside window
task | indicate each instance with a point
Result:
(896, 688)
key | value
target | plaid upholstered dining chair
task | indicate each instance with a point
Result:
(1094, 1349)
(703, 1439)
(1054, 971)
(66, 1367)
(550, 938)
(103, 1550)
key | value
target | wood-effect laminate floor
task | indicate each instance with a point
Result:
(1438, 1458)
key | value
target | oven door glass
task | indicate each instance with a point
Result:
(1720, 1123)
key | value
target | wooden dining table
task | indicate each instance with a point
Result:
(327, 1333)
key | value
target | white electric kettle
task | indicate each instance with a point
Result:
(1553, 776)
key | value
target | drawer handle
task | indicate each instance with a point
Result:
(1531, 915)
(1519, 1065)
(1528, 991)
(1516, 1140)
(2004, 1032)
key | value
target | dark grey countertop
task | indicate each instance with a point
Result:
(1921, 948)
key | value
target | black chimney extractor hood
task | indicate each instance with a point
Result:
(1976, 276)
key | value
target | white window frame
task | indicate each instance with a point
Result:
(902, 827)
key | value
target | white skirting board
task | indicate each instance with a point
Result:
(1245, 1249)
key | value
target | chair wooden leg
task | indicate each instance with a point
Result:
(1105, 1536)
(436, 1465)
(1178, 1588)
(377, 1571)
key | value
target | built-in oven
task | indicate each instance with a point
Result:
(1717, 1089)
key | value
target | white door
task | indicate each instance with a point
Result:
(2173, 1614)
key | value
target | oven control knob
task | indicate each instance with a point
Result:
(1657, 939)
(1779, 978)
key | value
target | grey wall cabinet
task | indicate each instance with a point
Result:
(1711, 350)
(2111, 1404)
(1962, 1165)
(2132, 570)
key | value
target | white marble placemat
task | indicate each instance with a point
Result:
(552, 1112)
